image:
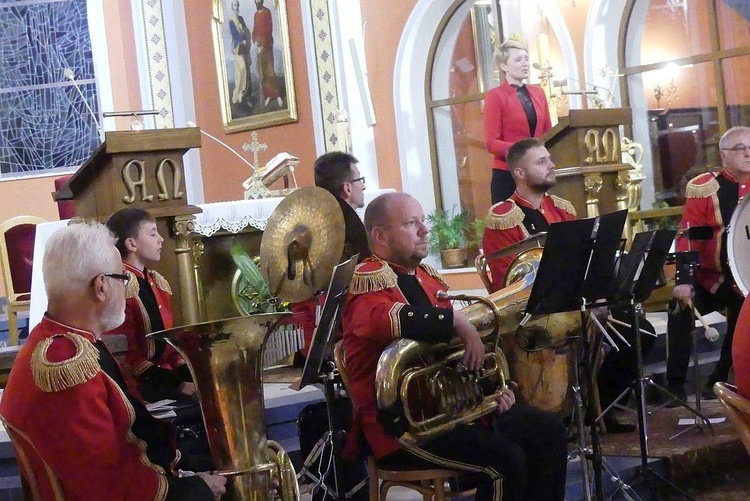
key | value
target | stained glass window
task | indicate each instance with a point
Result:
(45, 51)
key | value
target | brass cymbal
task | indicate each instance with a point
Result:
(302, 242)
(535, 240)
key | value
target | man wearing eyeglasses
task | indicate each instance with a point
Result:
(710, 201)
(67, 406)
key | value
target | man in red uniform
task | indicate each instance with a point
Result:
(157, 367)
(711, 200)
(392, 295)
(529, 210)
(78, 431)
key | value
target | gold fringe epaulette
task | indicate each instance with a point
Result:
(504, 215)
(433, 273)
(161, 282)
(58, 376)
(131, 290)
(372, 276)
(702, 186)
(563, 204)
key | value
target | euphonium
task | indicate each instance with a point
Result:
(226, 360)
(425, 382)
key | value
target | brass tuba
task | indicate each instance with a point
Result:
(226, 360)
(425, 382)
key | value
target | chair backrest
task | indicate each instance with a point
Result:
(480, 263)
(738, 410)
(17, 236)
(66, 209)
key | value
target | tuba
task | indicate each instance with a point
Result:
(226, 361)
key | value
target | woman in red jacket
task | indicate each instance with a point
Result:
(512, 111)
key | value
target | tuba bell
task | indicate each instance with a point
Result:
(226, 361)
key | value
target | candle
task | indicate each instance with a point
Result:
(542, 49)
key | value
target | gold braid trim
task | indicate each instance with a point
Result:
(131, 290)
(563, 204)
(510, 219)
(433, 273)
(694, 190)
(58, 376)
(373, 281)
(161, 282)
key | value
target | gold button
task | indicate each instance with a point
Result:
(441, 316)
(426, 315)
(410, 314)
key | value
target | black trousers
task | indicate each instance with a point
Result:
(620, 368)
(680, 325)
(525, 451)
(502, 185)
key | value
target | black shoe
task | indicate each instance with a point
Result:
(614, 426)
(678, 390)
(707, 393)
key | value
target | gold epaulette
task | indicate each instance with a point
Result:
(563, 204)
(76, 370)
(161, 282)
(433, 273)
(372, 276)
(131, 290)
(702, 186)
(504, 216)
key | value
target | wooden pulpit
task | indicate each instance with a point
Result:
(585, 147)
(144, 169)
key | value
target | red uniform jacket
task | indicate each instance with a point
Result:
(144, 353)
(508, 222)
(711, 200)
(72, 423)
(741, 352)
(376, 314)
(505, 120)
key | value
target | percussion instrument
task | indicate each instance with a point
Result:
(738, 245)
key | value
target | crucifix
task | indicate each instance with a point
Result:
(255, 147)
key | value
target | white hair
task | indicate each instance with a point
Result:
(731, 132)
(74, 255)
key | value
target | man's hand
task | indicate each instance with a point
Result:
(506, 398)
(473, 346)
(683, 292)
(216, 483)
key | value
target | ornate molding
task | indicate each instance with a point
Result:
(592, 185)
(154, 40)
(326, 74)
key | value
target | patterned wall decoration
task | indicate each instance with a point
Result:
(45, 122)
(157, 62)
(326, 72)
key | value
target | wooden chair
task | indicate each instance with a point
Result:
(17, 236)
(738, 410)
(66, 209)
(430, 483)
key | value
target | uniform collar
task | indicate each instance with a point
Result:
(527, 203)
(69, 328)
(135, 271)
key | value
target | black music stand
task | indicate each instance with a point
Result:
(319, 368)
(639, 274)
(578, 263)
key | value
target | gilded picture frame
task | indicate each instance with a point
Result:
(253, 63)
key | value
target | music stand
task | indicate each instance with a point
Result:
(319, 368)
(639, 273)
(578, 262)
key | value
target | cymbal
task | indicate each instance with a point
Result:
(535, 240)
(302, 242)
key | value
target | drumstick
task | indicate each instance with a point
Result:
(604, 333)
(619, 322)
(711, 333)
(619, 334)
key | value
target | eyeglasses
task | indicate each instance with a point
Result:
(740, 148)
(125, 278)
(362, 179)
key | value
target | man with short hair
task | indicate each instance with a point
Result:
(392, 296)
(160, 371)
(710, 201)
(67, 404)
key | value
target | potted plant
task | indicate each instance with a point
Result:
(448, 236)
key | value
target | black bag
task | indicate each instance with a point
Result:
(312, 424)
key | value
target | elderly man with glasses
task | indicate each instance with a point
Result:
(79, 430)
(704, 277)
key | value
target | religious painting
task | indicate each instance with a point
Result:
(254, 64)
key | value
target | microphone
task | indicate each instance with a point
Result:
(225, 145)
(69, 75)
